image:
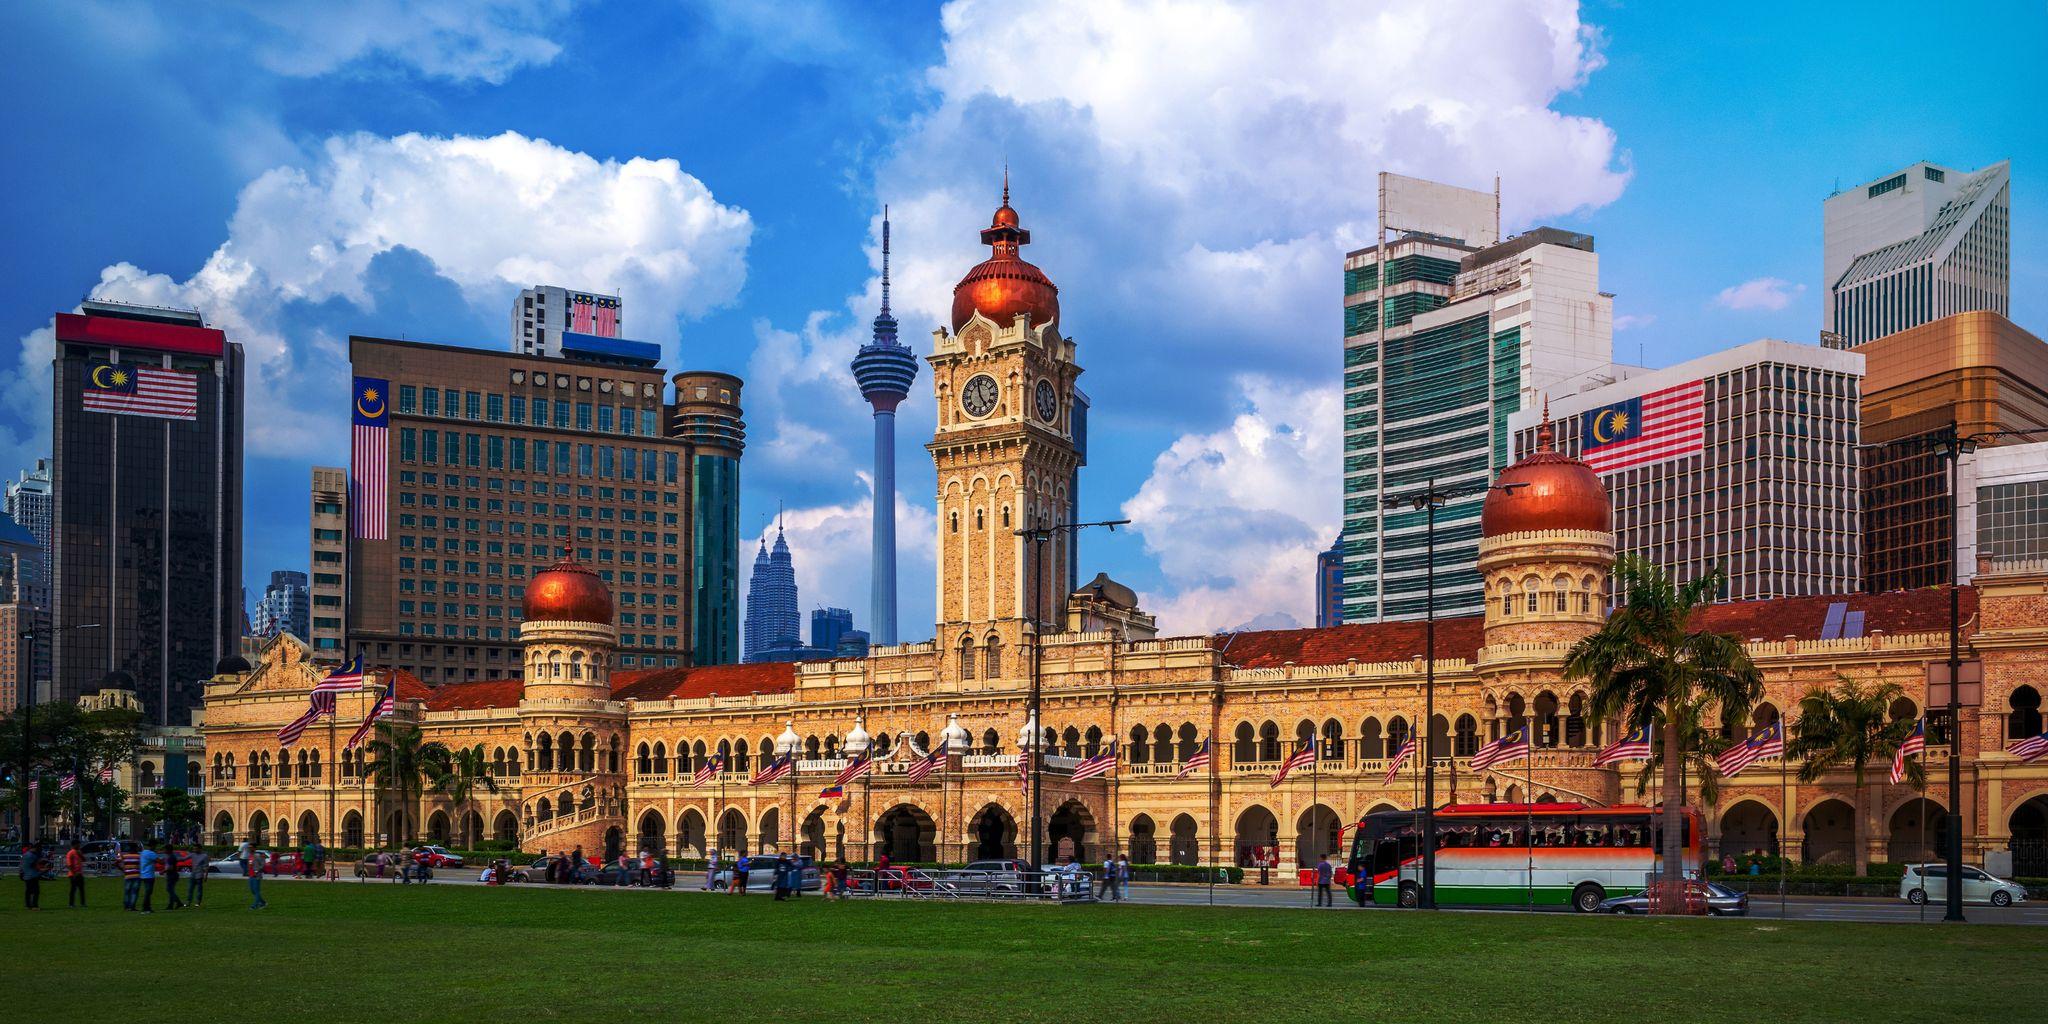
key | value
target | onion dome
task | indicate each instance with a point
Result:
(1005, 285)
(1547, 490)
(955, 737)
(787, 743)
(232, 665)
(568, 592)
(1109, 590)
(117, 680)
(858, 741)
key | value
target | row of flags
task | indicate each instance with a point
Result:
(321, 704)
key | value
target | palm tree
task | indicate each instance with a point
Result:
(1847, 727)
(459, 776)
(1648, 663)
(401, 757)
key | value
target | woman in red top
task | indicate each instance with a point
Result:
(74, 868)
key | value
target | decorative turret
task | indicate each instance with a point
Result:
(567, 634)
(1546, 548)
(885, 370)
(1005, 284)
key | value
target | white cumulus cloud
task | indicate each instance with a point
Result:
(490, 215)
(1768, 294)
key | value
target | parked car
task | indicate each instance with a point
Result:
(584, 873)
(1720, 901)
(762, 877)
(992, 877)
(378, 865)
(1923, 882)
(278, 864)
(436, 857)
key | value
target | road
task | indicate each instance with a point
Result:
(1291, 898)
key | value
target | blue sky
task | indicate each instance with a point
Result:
(1192, 174)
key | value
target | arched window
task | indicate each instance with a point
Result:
(1073, 738)
(2025, 720)
(1529, 586)
(1139, 751)
(739, 756)
(1333, 738)
(966, 657)
(991, 741)
(978, 524)
(1507, 598)
(643, 761)
(660, 758)
(615, 758)
(954, 518)
(1562, 588)
(811, 748)
(1371, 745)
(1092, 744)
(1586, 587)
(1269, 742)
(992, 658)
(1246, 748)
(1397, 734)
(1188, 744)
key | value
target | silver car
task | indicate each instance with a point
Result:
(1923, 882)
(1721, 901)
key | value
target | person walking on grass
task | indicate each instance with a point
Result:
(740, 868)
(147, 864)
(170, 872)
(74, 870)
(781, 877)
(254, 866)
(710, 869)
(195, 883)
(31, 871)
(1324, 874)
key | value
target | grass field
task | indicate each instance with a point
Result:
(352, 952)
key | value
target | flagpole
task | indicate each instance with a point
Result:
(1785, 809)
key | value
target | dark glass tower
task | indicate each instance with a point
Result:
(148, 504)
(707, 415)
(885, 370)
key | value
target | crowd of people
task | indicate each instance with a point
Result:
(142, 866)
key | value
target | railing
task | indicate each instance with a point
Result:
(1004, 886)
(581, 816)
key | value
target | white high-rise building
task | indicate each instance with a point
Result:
(1914, 246)
(543, 313)
(31, 503)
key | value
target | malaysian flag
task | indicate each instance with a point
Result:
(370, 417)
(2030, 749)
(142, 391)
(1767, 742)
(929, 763)
(607, 320)
(35, 785)
(1306, 755)
(386, 705)
(1635, 745)
(1099, 765)
(1400, 758)
(341, 680)
(582, 315)
(1195, 762)
(1914, 743)
(1644, 430)
(854, 769)
(713, 767)
(320, 707)
(1024, 770)
(773, 770)
(67, 782)
(1512, 747)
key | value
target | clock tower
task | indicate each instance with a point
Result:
(1004, 451)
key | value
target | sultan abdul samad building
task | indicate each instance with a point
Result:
(583, 754)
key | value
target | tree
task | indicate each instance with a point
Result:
(1847, 727)
(459, 775)
(1648, 663)
(176, 809)
(56, 738)
(401, 758)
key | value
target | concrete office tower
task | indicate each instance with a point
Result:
(543, 313)
(286, 605)
(147, 475)
(884, 369)
(772, 618)
(1448, 331)
(329, 519)
(1922, 244)
(29, 502)
(1746, 458)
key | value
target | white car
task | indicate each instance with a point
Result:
(1924, 882)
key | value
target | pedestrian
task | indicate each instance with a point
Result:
(195, 882)
(148, 865)
(74, 869)
(576, 866)
(1324, 874)
(740, 868)
(254, 867)
(131, 876)
(1123, 877)
(31, 872)
(881, 868)
(710, 870)
(170, 873)
(1727, 863)
(781, 877)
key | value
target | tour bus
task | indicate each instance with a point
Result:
(1548, 854)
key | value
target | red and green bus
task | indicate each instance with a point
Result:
(1546, 854)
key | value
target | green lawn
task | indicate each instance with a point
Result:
(382, 952)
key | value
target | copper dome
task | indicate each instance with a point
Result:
(568, 592)
(1005, 284)
(1546, 490)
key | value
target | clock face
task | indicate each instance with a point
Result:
(979, 396)
(1048, 401)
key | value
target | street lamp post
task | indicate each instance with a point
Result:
(1427, 501)
(1039, 536)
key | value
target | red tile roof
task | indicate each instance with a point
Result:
(479, 693)
(409, 686)
(1900, 611)
(724, 680)
(1334, 645)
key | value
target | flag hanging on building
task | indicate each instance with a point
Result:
(1024, 771)
(142, 391)
(831, 792)
(713, 767)
(1400, 758)
(65, 784)
(1306, 755)
(386, 705)
(370, 417)
(854, 769)
(1099, 765)
(321, 705)
(341, 680)
(1195, 762)
(1512, 747)
(773, 770)
(2031, 749)
(1914, 743)
(1634, 746)
(1766, 742)
(1646, 429)
(924, 766)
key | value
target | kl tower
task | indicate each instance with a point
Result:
(885, 370)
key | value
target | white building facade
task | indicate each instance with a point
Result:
(1916, 245)
(2003, 511)
(542, 313)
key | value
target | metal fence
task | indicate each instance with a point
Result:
(943, 884)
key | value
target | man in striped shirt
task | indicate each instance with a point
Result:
(131, 877)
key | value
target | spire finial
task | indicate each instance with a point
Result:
(885, 259)
(1006, 181)
(1544, 436)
